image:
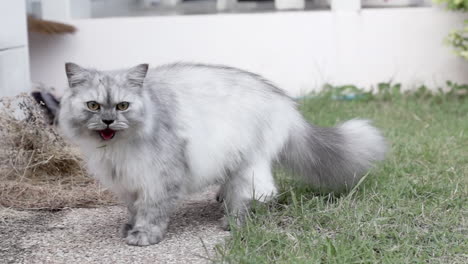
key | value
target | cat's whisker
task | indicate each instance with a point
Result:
(96, 126)
(118, 125)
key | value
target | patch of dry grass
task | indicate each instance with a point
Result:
(38, 169)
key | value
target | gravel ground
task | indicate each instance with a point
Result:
(93, 235)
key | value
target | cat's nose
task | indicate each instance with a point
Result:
(107, 122)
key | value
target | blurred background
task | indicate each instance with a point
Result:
(299, 45)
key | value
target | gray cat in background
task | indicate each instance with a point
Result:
(154, 135)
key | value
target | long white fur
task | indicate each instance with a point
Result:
(234, 126)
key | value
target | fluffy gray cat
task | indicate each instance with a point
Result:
(154, 135)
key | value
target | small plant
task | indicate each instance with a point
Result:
(454, 4)
(389, 91)
(458, 38)
(346, 92)
(457, 89)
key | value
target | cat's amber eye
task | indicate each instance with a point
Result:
(122, 106)
(93, 106)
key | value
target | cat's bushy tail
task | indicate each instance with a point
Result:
(334, 159)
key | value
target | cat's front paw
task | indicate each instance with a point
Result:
(143, 237)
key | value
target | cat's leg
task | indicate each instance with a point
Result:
(255, 182)
(221, 193)
(129, 200)
(131, 221)
(151, 219)
(154, 204)
(160, 186)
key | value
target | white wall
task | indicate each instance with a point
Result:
(297, 50)
(14, 67)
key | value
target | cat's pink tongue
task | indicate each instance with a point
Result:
(107, 133)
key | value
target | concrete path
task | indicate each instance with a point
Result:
(93, 235)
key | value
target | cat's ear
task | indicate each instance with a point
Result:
(76, 74)
(136, 75)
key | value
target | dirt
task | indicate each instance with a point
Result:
(93, 235)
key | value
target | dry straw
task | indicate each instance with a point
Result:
(38, 169)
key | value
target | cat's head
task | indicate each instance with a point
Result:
(103, 107)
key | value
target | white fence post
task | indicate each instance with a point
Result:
(171, 2)
(65, 9)
(345, 5)
(289, 4)
(224, 5)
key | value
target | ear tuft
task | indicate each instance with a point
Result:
(136, 75)
(76, 74)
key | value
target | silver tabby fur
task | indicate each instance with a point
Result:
(189, 126)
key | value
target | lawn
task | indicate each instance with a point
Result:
(412, 208)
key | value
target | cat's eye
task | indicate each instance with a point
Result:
(122, 106)
(93, 106)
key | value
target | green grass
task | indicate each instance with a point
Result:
(412, 208)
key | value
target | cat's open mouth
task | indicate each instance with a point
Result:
(107, 134)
